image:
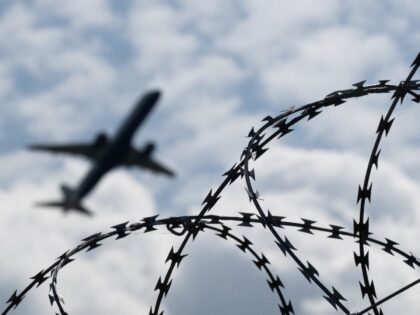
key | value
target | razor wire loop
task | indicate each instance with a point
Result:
(176, 223)
(308, 271)
(361, 227)
(191, 225)
(209, 222)
(310, 110)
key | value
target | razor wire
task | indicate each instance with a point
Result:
(218, 224)
(189, 227)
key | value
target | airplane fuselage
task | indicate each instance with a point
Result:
(106, 154)
(116, 150)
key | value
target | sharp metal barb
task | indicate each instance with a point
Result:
(390, 296)
(189, 227)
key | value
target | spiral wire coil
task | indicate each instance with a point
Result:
(188, 227)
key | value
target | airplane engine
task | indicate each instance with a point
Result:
(149, 148)
(101, 139)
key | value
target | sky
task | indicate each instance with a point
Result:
(69, 70)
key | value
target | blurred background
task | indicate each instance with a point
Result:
(69, 70)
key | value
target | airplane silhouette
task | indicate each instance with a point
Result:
(106, 154)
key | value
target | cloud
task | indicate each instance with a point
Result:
(43, 235)
(209, 20)
(66, 71)
(157, 33)
(226, 277)
(80, 15)
(5, 83)
(72, 69)
(269, 31)
(203, 77)
(318, 64)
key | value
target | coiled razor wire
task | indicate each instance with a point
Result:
(190, 226)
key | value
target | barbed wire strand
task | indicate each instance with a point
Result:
(246, 220)
(191, 226)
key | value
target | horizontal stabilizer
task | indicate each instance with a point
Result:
(70, 202)
(64, 207)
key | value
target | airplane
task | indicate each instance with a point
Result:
(106, 154)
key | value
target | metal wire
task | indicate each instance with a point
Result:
(188, 227)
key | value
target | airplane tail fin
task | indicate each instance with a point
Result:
(70, 202)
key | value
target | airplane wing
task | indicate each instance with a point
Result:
(87, 150)
(156, 167)
(139, 159)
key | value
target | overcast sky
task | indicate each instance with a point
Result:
(72, 69)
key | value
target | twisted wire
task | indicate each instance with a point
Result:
(189, 227)
(223, 231)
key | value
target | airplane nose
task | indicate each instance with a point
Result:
(154, 95)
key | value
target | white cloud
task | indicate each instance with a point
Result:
(270, 28)
(67, 70)
(43, 234)
(211, 60)
(333, 58)
(162, 43)
(30, 45)
(5, 82)
(80, 14)
(212, 19)
(202, 77)
(332, 178)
